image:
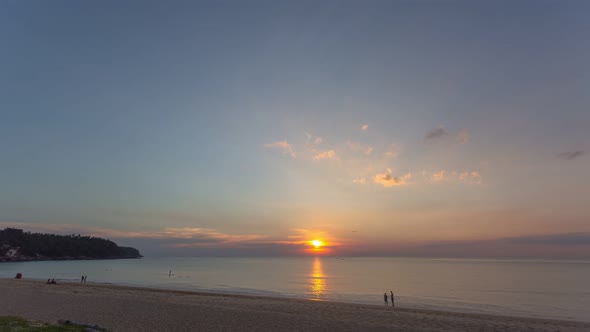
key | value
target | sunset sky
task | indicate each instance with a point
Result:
(413, 128)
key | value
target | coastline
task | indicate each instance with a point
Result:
(125, 308)
(46, 259)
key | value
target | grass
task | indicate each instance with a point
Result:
(14, 324)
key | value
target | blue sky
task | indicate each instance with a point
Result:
(218, 118)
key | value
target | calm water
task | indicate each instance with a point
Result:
(553, 289)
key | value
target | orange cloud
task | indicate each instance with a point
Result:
(471, 177)
(283, 146)
(365, 127)
(439, 176)
(388, 180)
(330, 154)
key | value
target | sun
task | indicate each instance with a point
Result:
(316, 243)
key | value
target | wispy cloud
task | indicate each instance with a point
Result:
(313, 140)
(391, 151)
(471, 177)
(360, 148)
(441, 134)
(566, 239)
(439, 176)
(388, 180)
(463, 136)
(359, 180)
(282, 146)
(549, 245)
(186, 233)
(571, 155)
(330, 154)
(436, 134)
(365, 127)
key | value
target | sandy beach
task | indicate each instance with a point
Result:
(120, 308)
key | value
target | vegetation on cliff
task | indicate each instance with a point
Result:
(18, 245)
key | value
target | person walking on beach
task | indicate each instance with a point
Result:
(385, 298)
(85, 277)
(82, 279)
(392, 302)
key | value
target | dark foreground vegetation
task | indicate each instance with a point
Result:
(18, 245)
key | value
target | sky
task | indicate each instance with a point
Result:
(404, 128)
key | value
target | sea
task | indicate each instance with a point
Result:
(530, 288)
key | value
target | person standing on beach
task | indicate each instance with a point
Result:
(392, 302)
(82, 279)
(385, 298)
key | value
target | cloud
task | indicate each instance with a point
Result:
(440, 134)
(392, 151)
(359, 180)
(548, 246)
(388, 180)
(463, 136)
(206, 235)
(330, 154)
(439, 176)
(470, 177)
(311, 140)
(283, 146)
(436, 134)
(571, 155)
(567, 239)
(358, 147)
(365, 127)
(167, 241)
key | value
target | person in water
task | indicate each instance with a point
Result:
(385, 299)
(392, 301)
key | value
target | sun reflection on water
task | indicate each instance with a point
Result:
(317, 279)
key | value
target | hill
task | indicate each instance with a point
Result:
(18, 245)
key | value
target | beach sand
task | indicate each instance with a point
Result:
(119, 308)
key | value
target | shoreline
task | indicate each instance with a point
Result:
(24, 260)
(131, 308)
(279, 296)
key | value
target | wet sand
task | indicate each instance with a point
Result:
(119, 308)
